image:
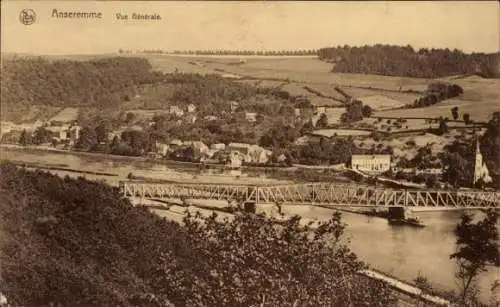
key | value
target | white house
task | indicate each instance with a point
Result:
(371, 164)
(251, 117)
(257, 154)
(218, 146)
(191, 108)
(176, 110)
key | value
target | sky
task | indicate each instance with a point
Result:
(469, 26)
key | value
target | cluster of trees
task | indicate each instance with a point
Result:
(407, 62)
(40, 136)
(324, 151)
(237, 52)
(437, 92)
(27, 81)
(73, 242)
(424, 159)
(356, 111)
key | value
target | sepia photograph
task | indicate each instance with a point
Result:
(250, 153)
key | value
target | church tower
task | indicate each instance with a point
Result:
(480, 169)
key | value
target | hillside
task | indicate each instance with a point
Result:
(72, 242)
(406, 62)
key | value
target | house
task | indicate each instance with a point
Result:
(175, 143)
(297, 112)
(259, 155)
(371, 164)
(210, 118)
(218, 146)
(251, 117)
(176, 110)
(59, 133)
(234, 106)
(162, 148)
(190, 118)
(191, 108)
(319, 109)
(239, 147)
(235, 159)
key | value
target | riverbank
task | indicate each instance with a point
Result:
(296, 173)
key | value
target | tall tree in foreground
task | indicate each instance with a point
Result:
(477, 248)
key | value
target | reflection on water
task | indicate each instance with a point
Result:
(402, 251)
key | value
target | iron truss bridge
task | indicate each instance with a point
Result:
(315, 194)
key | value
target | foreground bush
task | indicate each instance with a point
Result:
(74, 242)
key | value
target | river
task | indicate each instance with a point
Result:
(401, 251)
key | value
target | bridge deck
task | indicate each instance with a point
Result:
(316, 193)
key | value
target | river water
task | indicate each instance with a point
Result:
(402, 251)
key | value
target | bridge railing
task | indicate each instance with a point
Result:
(317, 193)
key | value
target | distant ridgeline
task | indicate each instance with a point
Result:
(29, 80)
(406, 62)
(301, 52)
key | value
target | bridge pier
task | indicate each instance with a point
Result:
(397, 213)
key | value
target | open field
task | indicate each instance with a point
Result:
(480, 99)
(28, 113)
(481, 96)
(66, 115)
(478, 110)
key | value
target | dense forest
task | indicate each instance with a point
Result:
(406, 62)
(73, 242)
(72, 83)
(105, 82)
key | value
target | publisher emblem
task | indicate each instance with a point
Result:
(27, 17)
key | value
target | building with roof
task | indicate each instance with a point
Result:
(371, 164)
(251, 117)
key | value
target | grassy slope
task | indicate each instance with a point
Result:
(480, 98)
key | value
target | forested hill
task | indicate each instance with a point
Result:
(28, 80)
(73, 242)
(407, 62)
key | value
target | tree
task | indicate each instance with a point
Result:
(431, 181)
(101, 132)
(42, 136)
(62, 231)
(454, 113)
(354, 112)
(443, 127)
(477, 247)
(87, 139)
(322, 121)
(367, 111)
(25, 138)
(308, 127)
(466, 117)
